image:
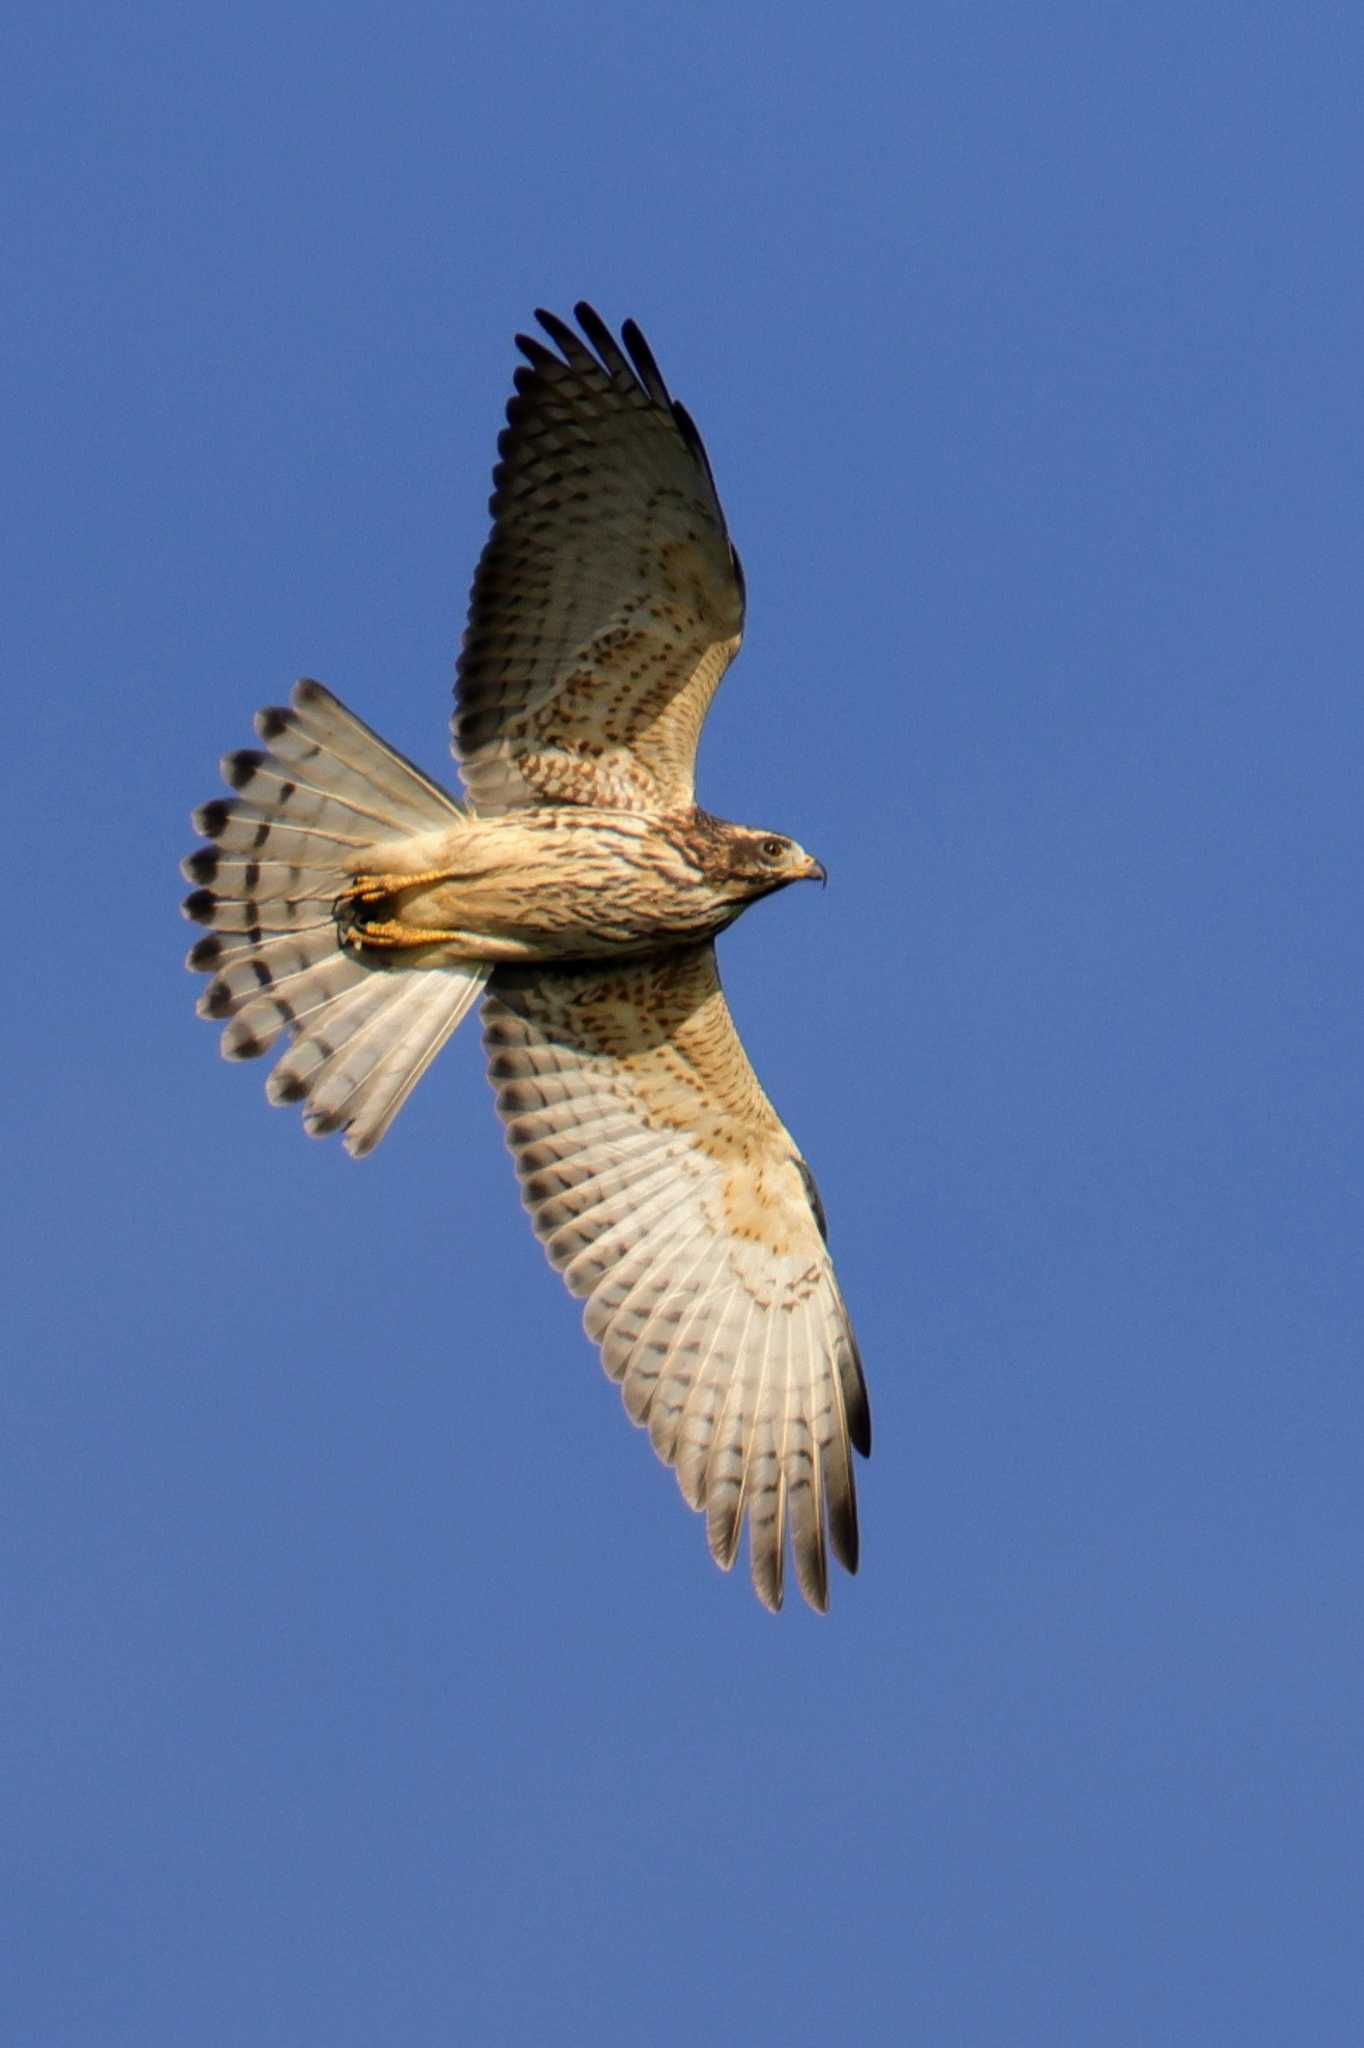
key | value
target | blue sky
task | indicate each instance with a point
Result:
(364, 1678)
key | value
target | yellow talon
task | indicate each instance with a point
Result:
(385, 932)
(390, 933)
(366, 889)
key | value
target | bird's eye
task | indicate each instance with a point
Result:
(772, 849)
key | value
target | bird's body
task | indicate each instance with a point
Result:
(356, 905)
(574, 882)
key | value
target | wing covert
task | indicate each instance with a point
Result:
(608, 601)
(669, 1195)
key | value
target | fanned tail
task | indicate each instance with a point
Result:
(324, 799)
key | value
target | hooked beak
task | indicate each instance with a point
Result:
(815, 871)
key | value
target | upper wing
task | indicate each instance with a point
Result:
(608, 601)
(669, 1193)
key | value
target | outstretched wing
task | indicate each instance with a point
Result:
(608, 601)
(668, 1192)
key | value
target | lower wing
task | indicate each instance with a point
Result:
(669, 1194)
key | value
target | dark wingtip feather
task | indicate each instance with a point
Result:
(843, 1533)
(645, 363)
(739, 577)
(272, 721)
(688, 429)
(853, 1381)
(563, 337)
(536, 353)
(602, 340)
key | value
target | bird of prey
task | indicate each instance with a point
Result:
(358, 908)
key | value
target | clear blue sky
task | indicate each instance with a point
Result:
(364, 1678)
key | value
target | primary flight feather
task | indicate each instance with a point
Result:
(357, 911)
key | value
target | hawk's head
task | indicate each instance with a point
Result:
(748, 864)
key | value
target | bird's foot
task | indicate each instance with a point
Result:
(359, 927)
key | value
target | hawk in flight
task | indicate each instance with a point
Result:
(355, 906)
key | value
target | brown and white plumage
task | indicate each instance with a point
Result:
(669, 1194)
(608, 602)
(355, 906)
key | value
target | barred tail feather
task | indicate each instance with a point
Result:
(369, 1050)
(313, 808)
